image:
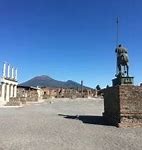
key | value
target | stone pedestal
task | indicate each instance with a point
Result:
(122, 80)
(123, 106)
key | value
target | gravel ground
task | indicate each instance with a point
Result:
(64, 125)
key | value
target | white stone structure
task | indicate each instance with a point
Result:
(8, 83)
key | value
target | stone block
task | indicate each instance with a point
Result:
(123, 105)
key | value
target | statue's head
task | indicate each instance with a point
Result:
(119, 45)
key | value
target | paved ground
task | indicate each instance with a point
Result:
(63, 125)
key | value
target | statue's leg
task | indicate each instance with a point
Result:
(124, 69)
(119, 68)
(127, 70)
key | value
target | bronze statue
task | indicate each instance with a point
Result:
(122, 61)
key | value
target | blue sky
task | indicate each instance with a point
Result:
(70, 39)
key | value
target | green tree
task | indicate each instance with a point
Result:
(107, 86)
(98, 88)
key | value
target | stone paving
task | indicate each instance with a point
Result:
(64, 125)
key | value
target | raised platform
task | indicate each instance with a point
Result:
(123, 106)
(123, 81)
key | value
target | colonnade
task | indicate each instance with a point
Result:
(8, 82)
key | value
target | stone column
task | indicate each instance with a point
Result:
(16, 74)
(12, 75)
(3, 91)
(7, 92)
(11, 91)
(8, 71)
(4, 70)
(15, 90)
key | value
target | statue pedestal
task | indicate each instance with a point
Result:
(123, 81)
(123, 106)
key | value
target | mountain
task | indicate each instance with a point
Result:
(46, 81)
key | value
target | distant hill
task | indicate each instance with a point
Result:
(46, 81)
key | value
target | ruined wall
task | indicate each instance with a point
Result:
(32, 95)
(131, 99)
(123, 105)
(130, 105)
(28, 94)
(112, 104)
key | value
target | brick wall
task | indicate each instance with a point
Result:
(28, 94)
(111, 105)
(123, 105)
(131, 99)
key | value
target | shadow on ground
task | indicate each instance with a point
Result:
(97, 120)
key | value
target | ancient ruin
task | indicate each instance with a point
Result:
(8, 83)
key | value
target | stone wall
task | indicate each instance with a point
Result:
(112, 105)
(13, 102)
(123, 105)
(29, 94)
(66, 93)
(130, 105)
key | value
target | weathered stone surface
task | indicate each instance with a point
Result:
(123, 105)
(14, 102)
(27, 94)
